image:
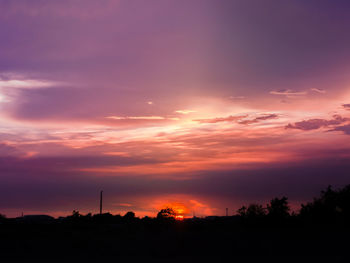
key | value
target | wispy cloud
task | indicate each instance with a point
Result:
(241, 119)
(260, 118)
(139, 118)
(124, 204)
(136, 118)
(185, 111)
(223, 119)
(25, 83)
(237, 97)
(322, 91)
(288, 92)
(11, 83)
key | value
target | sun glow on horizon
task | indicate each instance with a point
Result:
(179, 217)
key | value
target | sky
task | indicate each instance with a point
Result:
(194, 104)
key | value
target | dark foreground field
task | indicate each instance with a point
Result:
(319, 232)
(188, 241)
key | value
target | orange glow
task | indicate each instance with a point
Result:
(179, 208)
(182, 205)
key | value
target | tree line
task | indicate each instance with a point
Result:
(332, 206)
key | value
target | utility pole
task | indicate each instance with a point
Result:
(101, 202)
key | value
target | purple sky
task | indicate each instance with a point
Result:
(196, 104)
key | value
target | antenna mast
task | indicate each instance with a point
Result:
(101, 202)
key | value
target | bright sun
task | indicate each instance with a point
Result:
(179, 208)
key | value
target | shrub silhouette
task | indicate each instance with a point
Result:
(278, 208)
(2, 218)
(252, 211)
(129, 216)
(167, 213)
(242, 211)
(106, 218)
(332, 206)
(76, 214)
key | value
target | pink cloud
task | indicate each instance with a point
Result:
(223, 119)
(239, 119)
(322, 91)
(313, 124)
(343, 128)
(288, 92)
(346, 106)
(260, 118)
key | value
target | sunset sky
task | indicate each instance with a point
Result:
(195, 104)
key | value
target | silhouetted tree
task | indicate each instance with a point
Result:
(252, 211)
(2, 218)
(278, 208)
(242, 211)
(331, 206)
(129, 215)
(343, 203)
(166, 213)
(88, 215)
(117, 218)
(76, 214)
(103, 218)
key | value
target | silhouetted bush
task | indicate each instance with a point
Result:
(106, 218)
(2, 218)
(76, 214)
(166, 213)
(129, 216)
(333, 206)
(278, 208)
(252, 211)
